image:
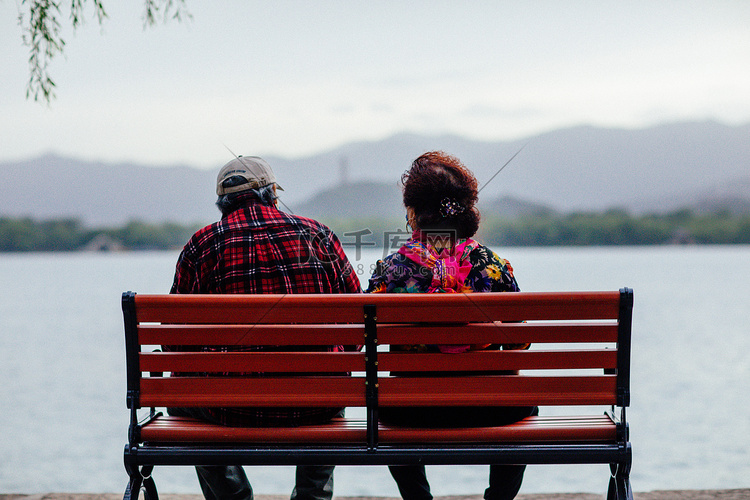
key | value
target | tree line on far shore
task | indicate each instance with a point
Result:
(617, 227)
(613, 227)
(69, 234)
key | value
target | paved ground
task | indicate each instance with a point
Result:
(742, 494)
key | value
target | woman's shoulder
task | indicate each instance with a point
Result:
(390, 260)
(490, 272)
(394, 273)
(482, 253)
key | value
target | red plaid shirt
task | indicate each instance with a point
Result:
(260, 249)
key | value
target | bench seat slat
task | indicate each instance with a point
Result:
(238, 362)
(252, 391)
(498, 391)
(531, 429)
(186, 429)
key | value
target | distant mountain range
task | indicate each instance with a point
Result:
(703, 166)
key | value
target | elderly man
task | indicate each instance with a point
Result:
(256, 248)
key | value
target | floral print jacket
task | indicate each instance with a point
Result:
(401, 272)
(397, 273)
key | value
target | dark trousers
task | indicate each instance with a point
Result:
(505, 480)
(229, 482)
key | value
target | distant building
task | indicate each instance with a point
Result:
(104, 243)
(344, 171)
(682, 237)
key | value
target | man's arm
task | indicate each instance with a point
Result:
(344, 277)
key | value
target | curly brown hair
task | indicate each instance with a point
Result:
(437, 180)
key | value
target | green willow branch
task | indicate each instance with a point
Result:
(176, 10)
(41, 33)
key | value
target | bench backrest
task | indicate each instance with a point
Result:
(580, 349)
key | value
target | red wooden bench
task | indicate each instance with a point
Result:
(580, 357)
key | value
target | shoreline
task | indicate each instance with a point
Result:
(729, 494)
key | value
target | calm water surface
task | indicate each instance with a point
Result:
(62, 371)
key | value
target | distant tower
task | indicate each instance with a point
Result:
(344, 171)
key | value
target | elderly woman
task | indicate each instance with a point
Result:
(440, 194)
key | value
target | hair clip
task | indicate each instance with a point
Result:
(449, 207)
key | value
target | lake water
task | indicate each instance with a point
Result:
(62, 371)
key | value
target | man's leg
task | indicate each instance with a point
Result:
(224, 483)
(314, 482)
(218, 482)
(505, 481)
(411, 481)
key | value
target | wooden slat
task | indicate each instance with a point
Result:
(238, 362)
(249, 309)
(212, 334)
(183, 429)
(508, 307)
(347, 308)
(498, 333)
(498, 360)
(532, 429)
(252, 391)
(352, 334)
(498, 391)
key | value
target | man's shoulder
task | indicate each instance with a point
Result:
(206, 231)
(259, 217)
(303, 221)
(200, 240)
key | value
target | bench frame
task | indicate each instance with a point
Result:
(379, 444)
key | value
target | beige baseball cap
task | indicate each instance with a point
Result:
(253, 168)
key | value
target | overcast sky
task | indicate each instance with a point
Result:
(292, 78)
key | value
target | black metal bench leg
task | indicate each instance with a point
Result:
(149, 486)
(619, 482)
(140, 477)
(134, 485)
